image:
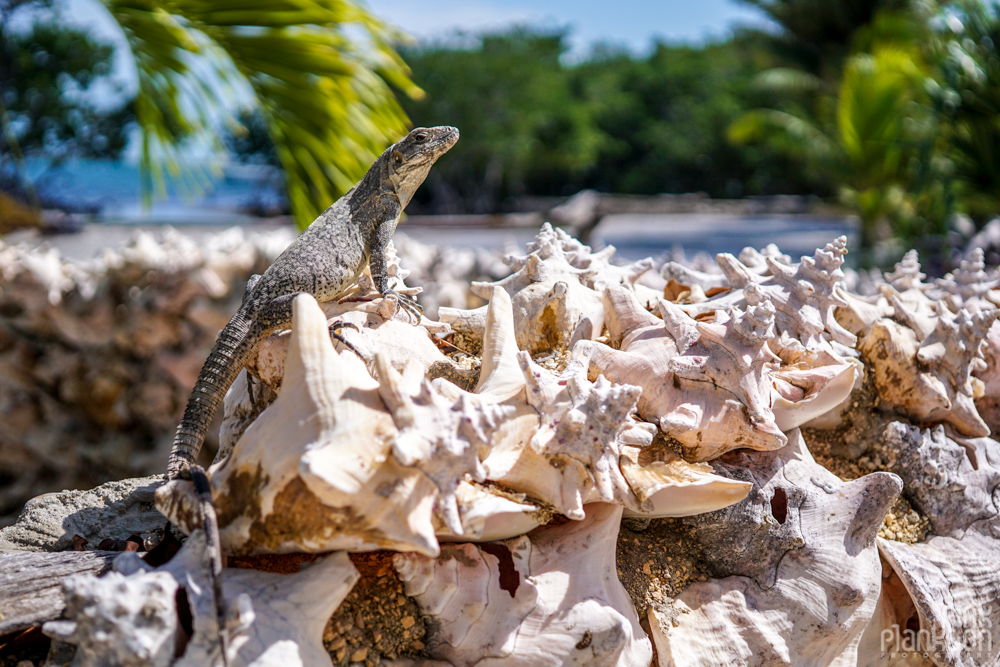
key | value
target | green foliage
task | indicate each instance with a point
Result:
(248, 140)
(534, 124)
(874, 130)
(321, 73)
(510, 95)
(816, 36)
(877, 103)
(43, 73)
(663, 119)
(968, 59)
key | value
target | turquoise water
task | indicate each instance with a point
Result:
(111, 190)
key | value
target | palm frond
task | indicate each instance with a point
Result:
(321, 71)
(873, 108)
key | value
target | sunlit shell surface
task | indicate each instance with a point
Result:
(804, 572)
(705, 384)
(549, 598)
(555, 291)
(500, 476)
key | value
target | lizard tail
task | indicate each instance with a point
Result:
(228, 356)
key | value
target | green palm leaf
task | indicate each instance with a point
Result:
(321, 71)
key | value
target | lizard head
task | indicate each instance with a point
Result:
(411, 157)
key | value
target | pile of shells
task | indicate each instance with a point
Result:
(98, 357)
(605, 464)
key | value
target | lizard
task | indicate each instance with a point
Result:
(322, 261)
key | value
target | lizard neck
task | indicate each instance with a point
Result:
(374, 200)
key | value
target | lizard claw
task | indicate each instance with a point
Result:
(335, 328)
(336, 325)
(406, 303)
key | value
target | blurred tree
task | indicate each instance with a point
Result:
(521, 125)
(870, 123)
(878, 131)
(320, 72)
(249, 142)
(816, 36)
(534, 124)
(44, 71)
(968, 57)
(663, 121)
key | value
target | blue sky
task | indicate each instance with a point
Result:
(632, 23)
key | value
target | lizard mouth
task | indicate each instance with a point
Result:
(441, 144)
(450, 138)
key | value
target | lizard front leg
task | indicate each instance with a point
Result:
(379, 264)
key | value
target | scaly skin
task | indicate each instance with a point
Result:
(323, 261)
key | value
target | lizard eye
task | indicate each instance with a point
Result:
(420, 138)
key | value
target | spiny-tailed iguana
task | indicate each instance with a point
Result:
(323, 261)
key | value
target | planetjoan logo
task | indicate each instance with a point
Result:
(899, 642)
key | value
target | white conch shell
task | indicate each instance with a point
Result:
(906, 275)
(291, 611)
(580, 424)
(988, 405)
(707, 385)
(567, 455)
(903, 283)
(467, 321)
(119, 620)
(549, 302)
(440, 437)
(555, 292)
(327, 469)
(599, 272)
(757, 260)
(315, 472)
(365, 464)
(684, 275)
(549, 598)
(500, 376)
(754, 260)
(488, 517)
(969, 286)
(950, 480)
(401, 341)
(783, 606)
(562, 444)
(803, 394)
(668, 486)
(805, 296)
(938, 356)
(954, 587)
